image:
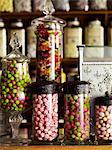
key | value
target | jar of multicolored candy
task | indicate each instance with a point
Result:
(15, 79)
(45, 112)
(103, 117)
(77, 113)
(49, 32)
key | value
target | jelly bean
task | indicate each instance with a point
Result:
(45, 117)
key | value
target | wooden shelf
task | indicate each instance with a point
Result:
(58, 148)
(62, 14)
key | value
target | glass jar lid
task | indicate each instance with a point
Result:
(44, 87)
(15, 54)
(104, 100)
(75, 87)
(49, 19)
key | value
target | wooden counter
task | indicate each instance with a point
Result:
(58, 148)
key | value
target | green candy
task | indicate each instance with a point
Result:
(77, 124)
(12, 78)
(17, 102)
(22, 82)
(10, 84)
(9, 75)
(14, 91)
(7, 90)
(72, 107)
(71, 118)
(7, 101)
(16, 75)
(14, 105)
(18, 83)
(73, 136)
(3, 87)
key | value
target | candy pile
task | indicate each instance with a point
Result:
(14, 81)
(49, 53)
(77, 118)
(45, 117)
(104, 122)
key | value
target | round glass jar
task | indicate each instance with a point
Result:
(103, 117)
(14, 80)
(49, 32)
(45, 112)
(77, 113)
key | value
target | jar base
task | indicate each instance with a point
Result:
(87, 142)
(104, 142)
(36, 142)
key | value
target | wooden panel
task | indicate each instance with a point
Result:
(58, 148)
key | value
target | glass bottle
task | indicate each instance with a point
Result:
(49, 32)
(77, 112)
(72, 38)
(14, 82)
(45, 112)
(103, 119)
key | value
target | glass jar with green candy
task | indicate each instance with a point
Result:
(15, 79)
(77, 113)
(49, 33)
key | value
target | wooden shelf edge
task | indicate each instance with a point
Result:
(107, 147)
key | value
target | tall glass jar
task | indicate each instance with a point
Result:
(77, 113)
(79, 5)
(98, 4)
(49, 32)
(45, 112)
(103, 116)
(6, 5)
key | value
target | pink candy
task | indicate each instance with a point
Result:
(45, 116)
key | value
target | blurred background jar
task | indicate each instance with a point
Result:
(31, 42)
(17, 27)
(103, 117)
(110, 34)
(98, 4)
(79, 5)
(77, 112)
(72, 38)
(22, 6)
(38, 5)
(3, 39)
(94, 34)
(6, 5)
(109, 4)
(61, 5)
(45, 112)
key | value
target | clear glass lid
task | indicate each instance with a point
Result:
(15, 54)
(48, 10)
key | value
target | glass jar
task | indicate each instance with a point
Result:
(45, 112)
(77, 112)
(6, 5)
(109, 4)
(98, 4)
(38, 5)
(3, 44)
(110, 34)
(17, 27)
(94, 34)
(49, 32)
(22, 6)
(103, 117)
(79, 4)
(72, 38)
(31, 42)
(14, 80)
